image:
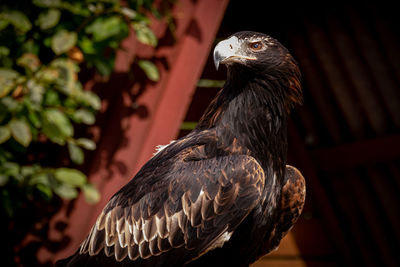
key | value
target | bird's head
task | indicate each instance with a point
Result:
(250, 50)
(261, 57)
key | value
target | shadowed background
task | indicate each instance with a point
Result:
(345, 138)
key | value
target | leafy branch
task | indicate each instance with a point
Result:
(44, 44)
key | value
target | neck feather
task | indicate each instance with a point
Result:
(255, 112)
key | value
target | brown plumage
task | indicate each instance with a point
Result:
(291, 205)
(222, 194)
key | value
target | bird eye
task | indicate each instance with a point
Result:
(256, 46)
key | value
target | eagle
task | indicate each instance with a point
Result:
(223, 194)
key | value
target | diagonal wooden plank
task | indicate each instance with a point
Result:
(129, 136)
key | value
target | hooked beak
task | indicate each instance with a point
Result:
(229, 50)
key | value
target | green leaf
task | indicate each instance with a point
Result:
(51, 98)
(67, 75)
(66, 191)
(30, 46)
(84, 116)
(20, 131)
(47, 75)
(3, 179)
(77, 8)
(91, 194)
(40, 178)
(7, 81)
(17, 19)
(129, 13)
(70, 177)
(210, 83)
(5, 134)
(76, 153)
(29, 170)
(7, 203)
(105, 66)
(86, 143)
(10, 104)
(48, 19)
(10, 169)
(188, 125)
(3, 24)
(4, 51)
(5, 155)
(156, 13)
(144, 34)
(47, 41)
(29, 61)
(104, 28)
(45, 190)
(8, 74)
(34, 119)
(71, 104)
(149, 69)
(56, 125)
(63, 41)
(87, 45)
(90, 99)
(36, 91)
(47, 3)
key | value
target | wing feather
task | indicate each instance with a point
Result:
(133, 252)
(128, 235)
(196, 217)
(175, 237)
(207, 208)
(136, 212)
(198, 204)
(120, 252)
(161, 226)
(153, 246)
(163, 244)
(137, 235)
(101, 221)
(144, 250)
(109, 251)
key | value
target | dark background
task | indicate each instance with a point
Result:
(346, 137)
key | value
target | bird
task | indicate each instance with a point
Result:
(222, 194)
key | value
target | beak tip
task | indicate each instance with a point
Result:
(216, 63)
(217, 59)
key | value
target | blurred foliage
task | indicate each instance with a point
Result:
(43, 46)
(207, 83)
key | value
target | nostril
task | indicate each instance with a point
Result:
(231, 46)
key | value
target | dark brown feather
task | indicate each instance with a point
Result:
(291, 205)
(184, 227)
(220, 194)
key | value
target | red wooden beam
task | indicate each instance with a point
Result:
(128, 138)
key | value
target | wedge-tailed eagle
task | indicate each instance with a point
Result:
(223, 194)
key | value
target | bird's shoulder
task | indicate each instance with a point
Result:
(292, 201)
(293, 190)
